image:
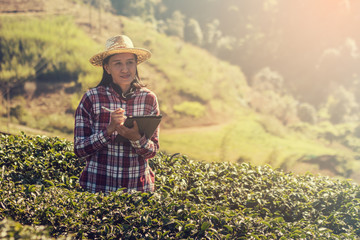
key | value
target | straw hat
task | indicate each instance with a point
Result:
(120, 44)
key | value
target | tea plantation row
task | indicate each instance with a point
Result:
(193, 200)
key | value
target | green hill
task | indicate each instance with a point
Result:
(210, 112)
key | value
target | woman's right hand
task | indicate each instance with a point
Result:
(116, 118)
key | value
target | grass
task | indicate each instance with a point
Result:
(243, 139)
(53, 39)
(14, 128)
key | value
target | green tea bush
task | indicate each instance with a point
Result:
(10, 229)
(39, 160)
(193, 200)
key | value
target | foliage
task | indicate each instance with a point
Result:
(267, 102)
(267, 79)
(193, 75)
(175, 25)
(341, 105)
(39, 160)
(10, 229)
(193, 199)
(193, 32)
(18, 112)
(307, 113)
(357, 131)
(264, 37)
(139, 8)
(45, 49)
(62, 56)
(268, 96)
(193, 109)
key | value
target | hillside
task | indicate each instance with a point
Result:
(199, 82)
(210, 112)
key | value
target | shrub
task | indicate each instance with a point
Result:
(193, 200)
(307, 113)
(10, 229)
(18, 112)
(188, 108)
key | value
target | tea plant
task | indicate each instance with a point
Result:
(193, 200)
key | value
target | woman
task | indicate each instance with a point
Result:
(113, 164)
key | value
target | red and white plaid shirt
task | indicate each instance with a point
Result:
(110, 164)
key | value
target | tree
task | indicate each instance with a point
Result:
(268, 96)
(267, 79)
(13, 74)
(99, 4)
(307, 113)
(175, 25)
(342, 106)
(212, 35)
(145, 9)
(193, 32)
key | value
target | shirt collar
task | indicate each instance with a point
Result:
(118, 90)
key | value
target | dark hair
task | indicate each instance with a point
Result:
(107, 80)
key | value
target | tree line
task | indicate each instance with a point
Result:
(304, 48)
(308, 48)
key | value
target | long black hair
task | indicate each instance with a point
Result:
(107, 80)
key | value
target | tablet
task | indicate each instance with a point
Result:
(147, 125)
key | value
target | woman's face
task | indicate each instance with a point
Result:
(122, 68)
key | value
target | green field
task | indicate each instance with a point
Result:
(241, 139)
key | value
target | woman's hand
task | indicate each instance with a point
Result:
(117, 118)
(129, 133)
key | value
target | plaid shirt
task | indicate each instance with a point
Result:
(112, 165)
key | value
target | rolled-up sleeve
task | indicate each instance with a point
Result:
(147, 148)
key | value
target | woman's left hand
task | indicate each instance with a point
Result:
(129, 133)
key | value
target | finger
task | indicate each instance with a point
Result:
(117, 114)
(120, 129)
(135, 126)
(119, 110)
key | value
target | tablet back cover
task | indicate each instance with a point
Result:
(147, 125)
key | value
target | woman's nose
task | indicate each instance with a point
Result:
(124, 68)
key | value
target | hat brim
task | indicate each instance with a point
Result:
(141, 53)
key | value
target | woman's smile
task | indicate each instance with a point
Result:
(122, 68)
(125, 76)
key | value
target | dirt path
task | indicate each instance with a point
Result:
(204, 128)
